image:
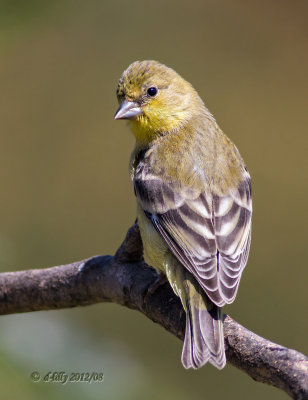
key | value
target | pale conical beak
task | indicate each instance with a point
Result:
(128, 110)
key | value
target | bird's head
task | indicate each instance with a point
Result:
(155, 99)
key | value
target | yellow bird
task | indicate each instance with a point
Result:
(193, 200)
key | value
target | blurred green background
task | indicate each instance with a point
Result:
(66, 194)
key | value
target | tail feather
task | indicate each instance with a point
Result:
(195, 353)
(204, 340)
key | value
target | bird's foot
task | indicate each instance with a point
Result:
(159, 281)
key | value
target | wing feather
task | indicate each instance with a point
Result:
(209, 234)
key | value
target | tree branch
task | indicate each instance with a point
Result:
(125, 279)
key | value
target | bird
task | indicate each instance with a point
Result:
(194, 203)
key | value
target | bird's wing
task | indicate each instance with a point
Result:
(209, 234)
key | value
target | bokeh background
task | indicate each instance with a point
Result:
(66, 194)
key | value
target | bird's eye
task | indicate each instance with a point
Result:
(152, 91)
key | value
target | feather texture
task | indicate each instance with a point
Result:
(209, 234)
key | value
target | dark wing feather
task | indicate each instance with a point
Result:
(209, 234)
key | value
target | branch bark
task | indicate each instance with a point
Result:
(125, 279)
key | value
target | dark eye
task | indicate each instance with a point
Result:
(152, 91)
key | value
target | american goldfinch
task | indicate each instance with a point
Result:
(193, 200)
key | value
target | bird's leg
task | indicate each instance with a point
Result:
(159, 281)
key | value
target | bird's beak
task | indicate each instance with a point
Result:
(128, 110)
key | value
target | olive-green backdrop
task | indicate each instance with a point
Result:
(66, 194)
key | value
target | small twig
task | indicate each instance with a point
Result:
(125, 279)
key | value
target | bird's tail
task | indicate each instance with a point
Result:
(204, 338)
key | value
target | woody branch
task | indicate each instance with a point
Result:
(125, 279)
